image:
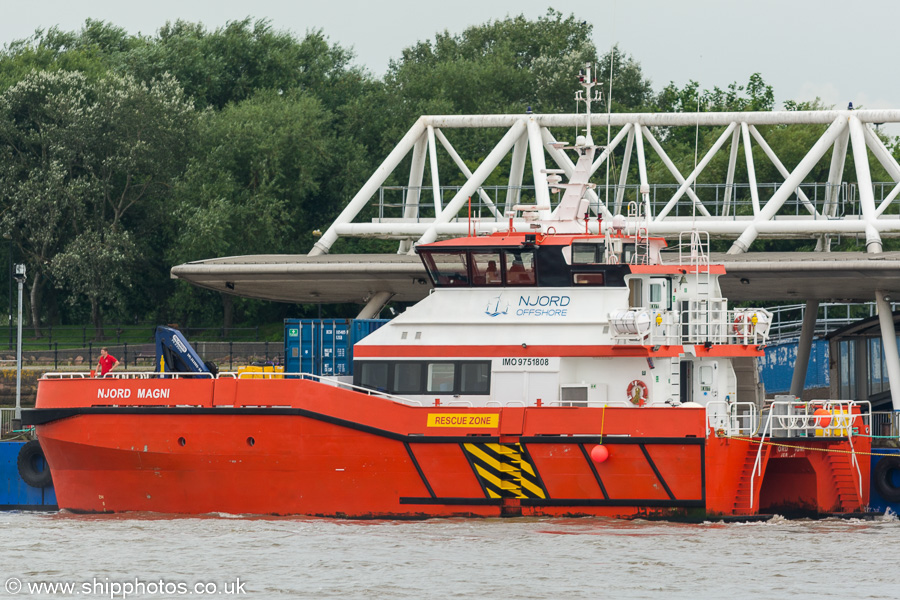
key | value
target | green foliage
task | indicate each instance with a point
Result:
(97, 266)
(501, 66)
(79, 156)
(268, 160)
(233, 62)
(121, 155)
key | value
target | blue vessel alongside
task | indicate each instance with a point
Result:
(15, 494)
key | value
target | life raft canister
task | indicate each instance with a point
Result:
(638, 392)
(27, 462)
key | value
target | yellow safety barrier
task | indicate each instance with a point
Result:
(261, 370)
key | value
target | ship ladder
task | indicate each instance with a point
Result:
(675, 379)
(842, 473)
(743, 497)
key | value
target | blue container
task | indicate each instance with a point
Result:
(15, 494)
(324, 346)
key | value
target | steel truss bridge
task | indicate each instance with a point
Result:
(788, 208)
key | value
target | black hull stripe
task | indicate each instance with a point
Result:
(560, 502)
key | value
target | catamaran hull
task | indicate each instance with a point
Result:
(314, 449)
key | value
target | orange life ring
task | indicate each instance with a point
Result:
(738, 323)
(638, 392)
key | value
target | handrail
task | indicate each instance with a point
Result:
(855, 463)
(6, 418)
(730, 421)
(465, 403)
(352, 387)
(228, 375)
(757, 464)
(127, 375)
(707, 320)
(589, 403)
(845, 421)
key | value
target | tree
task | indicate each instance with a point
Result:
(96, 265)
(91, 51)
(231, 63)
(39, 162)
(262, 180)
(79, 156)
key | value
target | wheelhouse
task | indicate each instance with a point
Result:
(525, 260)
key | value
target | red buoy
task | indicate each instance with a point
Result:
(823, 417)
(599, 453)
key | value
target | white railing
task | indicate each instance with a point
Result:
(791, 419)
(6, 418)
(757, 464)
(228, 375)
(886, 425)
(836, 418)
(707, 320)
(698, 250)
(787, 321)
(732, 418)
(591, 403)
(128, 375)
(327, 381)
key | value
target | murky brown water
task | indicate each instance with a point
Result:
(492, 558)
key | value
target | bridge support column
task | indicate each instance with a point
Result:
(374, 305)
(889, 342)
(804, 346)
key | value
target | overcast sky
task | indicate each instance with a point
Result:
(839, 51)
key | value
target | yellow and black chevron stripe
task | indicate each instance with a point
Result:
(504, 471)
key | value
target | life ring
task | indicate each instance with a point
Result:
(882, 477)
(29, 455)
(638, 392)
(741, 328)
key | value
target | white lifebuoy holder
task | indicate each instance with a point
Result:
(638, 392)
(742, 327)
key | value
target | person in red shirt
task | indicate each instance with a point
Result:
(106, 363)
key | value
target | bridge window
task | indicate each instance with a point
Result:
(447, 269)
(519, 267)
(591, 253)
(486, 268)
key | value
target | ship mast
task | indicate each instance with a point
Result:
(587, 81)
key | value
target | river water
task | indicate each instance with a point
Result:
(149, 556)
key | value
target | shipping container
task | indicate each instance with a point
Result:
(324, 346)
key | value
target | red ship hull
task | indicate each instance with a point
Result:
(298, 447)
